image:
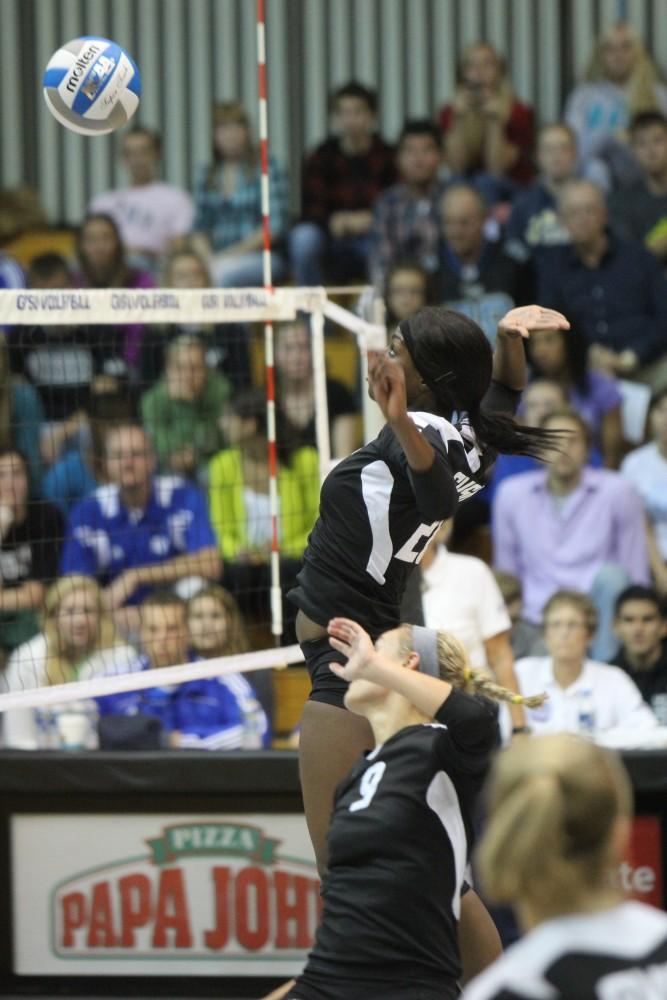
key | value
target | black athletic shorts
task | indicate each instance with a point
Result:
(325, 685)
(346, 989)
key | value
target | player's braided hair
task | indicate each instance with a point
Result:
(455, 668)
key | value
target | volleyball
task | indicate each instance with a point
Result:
(92, 86)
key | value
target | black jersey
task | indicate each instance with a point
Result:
(377, 515)
(617, 954)
(398, 848)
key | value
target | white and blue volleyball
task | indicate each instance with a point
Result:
(92, 86)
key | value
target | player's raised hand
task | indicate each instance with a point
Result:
(521, 322)
(386, 381)
(352, 641)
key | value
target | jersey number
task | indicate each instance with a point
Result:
(368, 786)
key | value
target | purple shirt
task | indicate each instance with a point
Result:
(603, 395)
(549, 547)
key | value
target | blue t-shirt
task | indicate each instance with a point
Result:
(104, 538)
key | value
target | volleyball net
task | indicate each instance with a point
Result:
(79, 390)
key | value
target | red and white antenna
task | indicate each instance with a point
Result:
(276, 596)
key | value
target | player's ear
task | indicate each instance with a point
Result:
(412, 661)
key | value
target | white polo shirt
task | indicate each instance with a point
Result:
(606, 692)
(461, 596)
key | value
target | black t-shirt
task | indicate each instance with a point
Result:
(31, 550)
(652, 682)
(398, 843)
(62, 361)
(377, 514)
(617, 954)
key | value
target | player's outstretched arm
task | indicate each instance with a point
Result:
(426, 693)
(509, 359)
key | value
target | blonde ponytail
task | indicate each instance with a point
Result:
(456, 669)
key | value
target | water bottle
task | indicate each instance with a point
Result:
(254, 724)
(586, 718)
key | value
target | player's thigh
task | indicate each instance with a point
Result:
(331, 740)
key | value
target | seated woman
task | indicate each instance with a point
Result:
(596, 397)
(226, 344)
(295, 395)
(77, 642)
(228, 201)
(102, 265)
(240, 508)
(489, 133)
(182, 412)
(402, 822)
(215, 628)
(558, 832)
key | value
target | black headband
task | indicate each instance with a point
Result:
(435, 382)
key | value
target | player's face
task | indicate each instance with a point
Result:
(398, 353)
(463, 222)
(556, 154)
(406, 293)
(164, 634)
(78, 620)
(130, 461)
(650, 147)
(658, 422)
(419, 159)
(187, 272)
(547, 351)
(566, 633)
(361, 694)
(207, 624)
(13, 481)
(640, 627)
(353, 118)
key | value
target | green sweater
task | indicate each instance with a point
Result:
(176, 423)
(298, 491)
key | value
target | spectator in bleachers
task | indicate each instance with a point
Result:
(153, 217)
(525, 637)
(534, 221)
(646, 469)
(30, 538)
(81, 470)
(341, 179)
(594, 395)
(406, 224)
(616, 291)
(408, 288)
(65, 364)
(77, 641)
(11, 272)
(295, 395)
(489, 133)
(182, 412)
(203, 715)
(103, 265)
(639, 212)
(240, 505)
(139, 531)
(476, 277)
(620, 82)
(640, 626)
(228, 201)
(226, 344)
(21, 417)
(215, 628)
(569, 526)
(584, 695)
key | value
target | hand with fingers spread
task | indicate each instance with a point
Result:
(524, 320)
(352, 641)
(386, 381)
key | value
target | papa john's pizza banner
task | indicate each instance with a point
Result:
(155, 894)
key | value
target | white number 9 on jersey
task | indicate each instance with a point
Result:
(368, 786)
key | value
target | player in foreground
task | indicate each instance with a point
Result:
(448, 402)
(560, 820)
(402, 823)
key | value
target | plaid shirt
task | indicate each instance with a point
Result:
(405, 228)
(332, 181)
(228, 220)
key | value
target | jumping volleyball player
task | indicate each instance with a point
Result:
(448, 403)
(402, 822)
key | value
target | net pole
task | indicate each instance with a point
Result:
(320, 385)
(276, 596)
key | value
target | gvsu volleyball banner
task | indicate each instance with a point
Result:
(157, 894)
(146, 305)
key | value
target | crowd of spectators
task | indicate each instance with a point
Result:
(133, 458)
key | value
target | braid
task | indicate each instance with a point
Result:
(455, 668)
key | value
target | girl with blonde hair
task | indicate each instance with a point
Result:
(402, 821)
(228, 201)
(560, 813)
(78, 641)
(621, 81)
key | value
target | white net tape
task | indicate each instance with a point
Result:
(97, 687)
